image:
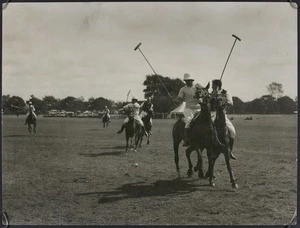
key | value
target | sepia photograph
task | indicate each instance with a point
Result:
(149, 113)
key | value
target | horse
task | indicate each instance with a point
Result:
(133, 131)
(148, 126)
(202, 132)
(31, 120)
(219, 104)
(105, 120)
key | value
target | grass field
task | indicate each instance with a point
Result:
(75, 172)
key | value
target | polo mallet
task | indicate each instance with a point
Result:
(236, 38)
(13, 106)
(128, 95)
(138, 47)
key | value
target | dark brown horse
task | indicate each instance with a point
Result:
(219, 104)
(105, 120)
(133, 133)
(31, 120)
(199, 128)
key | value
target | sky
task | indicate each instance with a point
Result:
(86, 49)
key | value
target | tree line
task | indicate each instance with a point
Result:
(159, 88)
(10, 104)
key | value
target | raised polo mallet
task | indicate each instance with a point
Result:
(236, 38)
(138, 47)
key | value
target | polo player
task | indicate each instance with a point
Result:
(187, 94)
(30, 110)
(133, 110)
(217, 90)
(147, 109)
(106, 112)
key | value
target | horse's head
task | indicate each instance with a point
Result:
(219, 101)
(202, 95)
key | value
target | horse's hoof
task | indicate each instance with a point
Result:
(201, 175)
(190, 172)
(206, 175)
(135, 151)
(148, 142)
(212, 184)
(234, 185)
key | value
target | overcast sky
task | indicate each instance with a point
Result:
(86, 49)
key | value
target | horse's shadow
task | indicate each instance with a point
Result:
(15, 136)
(140, 190)
(113, 153)
(114, 147)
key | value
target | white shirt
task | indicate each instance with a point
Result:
(134, 109)
(187, 94)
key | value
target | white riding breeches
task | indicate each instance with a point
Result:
(32, 114)
(137, 118)
(230, 126)
(143, 114)
(188, 116)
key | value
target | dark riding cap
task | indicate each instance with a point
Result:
(217, 82)
(134, 98)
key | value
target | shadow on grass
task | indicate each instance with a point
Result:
(114, 147)
(16, 136)
(140, 189)
(114, 153)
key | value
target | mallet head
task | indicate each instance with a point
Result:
(137, 46)
(236, 37)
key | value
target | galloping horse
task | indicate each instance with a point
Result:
(133, 131)
(202, 136)
(202, 131)
(31, 120)
(219, 104)
(105, 120)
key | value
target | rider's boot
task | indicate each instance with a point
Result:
(122, 129)
(231, 140)
(186, 137)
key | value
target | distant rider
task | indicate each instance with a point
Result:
(30, 110)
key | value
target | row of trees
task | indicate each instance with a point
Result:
(47, 103)
(264, 105)
(164, 91)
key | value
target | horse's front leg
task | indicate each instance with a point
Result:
(127, 145)
(29, 128)
(213, 157)
(199, 166)
(188, 156)
(34, 128)
(227, 160)
(176, 157)
(140, 141)
(209, 172)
